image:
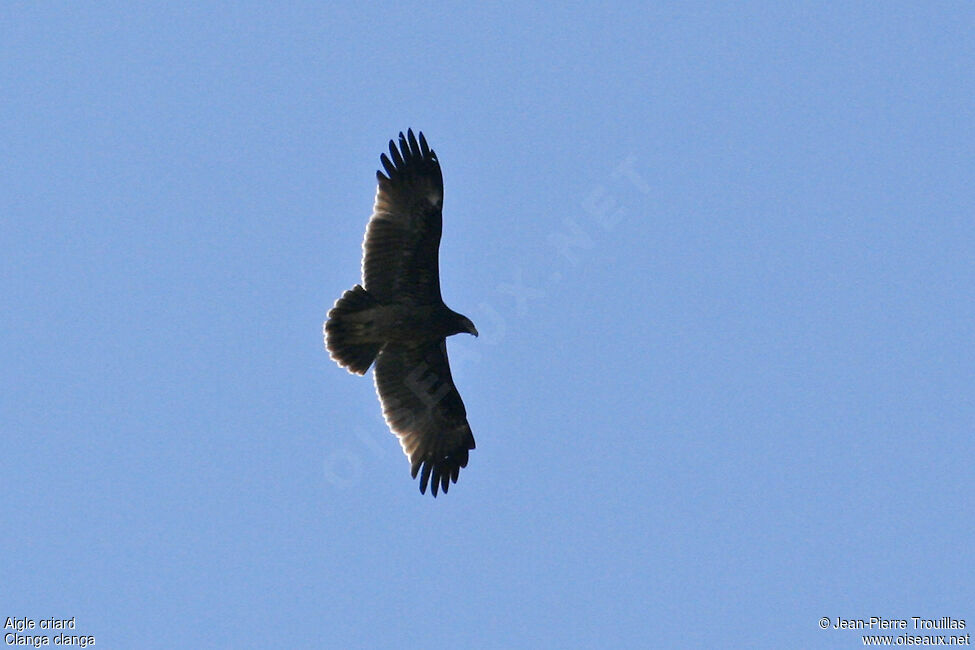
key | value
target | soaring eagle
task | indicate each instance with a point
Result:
(397, 318)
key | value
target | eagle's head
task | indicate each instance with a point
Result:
(463, 324)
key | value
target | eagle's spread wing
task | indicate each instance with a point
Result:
(399, 252)
(424, 409)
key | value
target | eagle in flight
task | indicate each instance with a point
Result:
(397, 320)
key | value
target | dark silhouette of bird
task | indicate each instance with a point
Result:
(397, 320)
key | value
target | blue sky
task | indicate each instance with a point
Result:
(720, 256)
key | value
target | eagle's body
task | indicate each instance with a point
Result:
(398, 319)
(403, 323)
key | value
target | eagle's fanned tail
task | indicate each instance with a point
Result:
(347, 326)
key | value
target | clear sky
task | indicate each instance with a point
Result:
(721, 260)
